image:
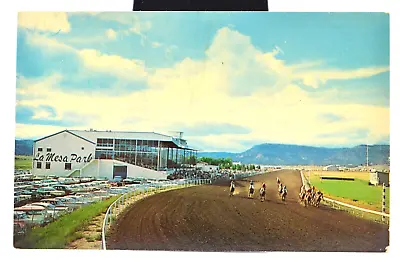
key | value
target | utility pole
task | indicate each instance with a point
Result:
(367, 160)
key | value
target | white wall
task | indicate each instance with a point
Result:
(106, 168)
(91, 169)
(66, 147)
(136, 171)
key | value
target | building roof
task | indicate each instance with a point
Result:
(93, 135)
(93, 142)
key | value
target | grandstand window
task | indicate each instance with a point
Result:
(47, 165)
(39, 165)
(67, 166)
(48, 150)
(40, 149)
(105, 142)
(104, 154)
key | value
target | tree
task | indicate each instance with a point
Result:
(191, 160)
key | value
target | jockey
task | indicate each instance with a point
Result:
(263, 186)
(251, 185)
(278, 180)
(313, 191)
(280, 188)
(284, 190)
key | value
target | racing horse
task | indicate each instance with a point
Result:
(262, 194)
(317, 198)
(305, 197)
(231, 189)
(280, 188)
(251, 191)
(283, 194)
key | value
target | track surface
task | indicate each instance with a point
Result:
(205, 218)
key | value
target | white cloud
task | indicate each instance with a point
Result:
(111, 34)
(156, 44)
(125, 68)
(42, 114)
(51, 45)
(25, 131)
(314, 78)
(194, 91)
(128, 69)
(140, 27)
(44, 21)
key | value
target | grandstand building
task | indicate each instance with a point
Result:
(110, 154)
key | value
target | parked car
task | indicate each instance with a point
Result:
(87, 196)
(117, 190)
(50, 191)
(36, 215)
(103, 194)
(52, 210)
(58, 203)
(76, 202)
(66, 188)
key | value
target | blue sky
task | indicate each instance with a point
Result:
(228, 80)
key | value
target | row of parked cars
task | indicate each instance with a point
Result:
(39, 202)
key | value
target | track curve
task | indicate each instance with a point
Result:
(205, 218)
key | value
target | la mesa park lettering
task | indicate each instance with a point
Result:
(52, 157)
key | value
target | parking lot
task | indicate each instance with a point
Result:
(41, 200)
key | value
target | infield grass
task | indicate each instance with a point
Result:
(58, 234)
(22, 162)
(357, 192)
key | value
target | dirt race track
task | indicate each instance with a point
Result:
(205, 218)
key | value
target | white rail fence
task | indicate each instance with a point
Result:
(125, 200)
(341, 205)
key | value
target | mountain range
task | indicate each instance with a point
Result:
(24, 147)
(282, 154)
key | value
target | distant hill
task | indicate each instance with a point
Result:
(24, 147)
(282, 154)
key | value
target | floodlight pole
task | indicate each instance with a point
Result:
(367, 160)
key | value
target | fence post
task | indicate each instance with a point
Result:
(110, 215)
(383, 200)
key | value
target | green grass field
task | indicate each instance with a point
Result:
(60, 233)
(356, 192)
(22, 162)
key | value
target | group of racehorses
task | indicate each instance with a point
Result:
(310, 196)
(282, 191)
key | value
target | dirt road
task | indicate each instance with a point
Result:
(205, 218)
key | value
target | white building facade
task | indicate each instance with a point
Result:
(108, 154)
(206, 167)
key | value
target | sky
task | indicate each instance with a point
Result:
(227, 80)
